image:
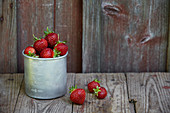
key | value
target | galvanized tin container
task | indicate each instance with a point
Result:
(45, 78)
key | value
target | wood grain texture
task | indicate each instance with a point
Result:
(124, 36)
(68, 23)
(168, 51)
(151, 91)
(9, 89)
(91, 36)
(26, 104)
(33, 18)
(116, 100)
(8, 36)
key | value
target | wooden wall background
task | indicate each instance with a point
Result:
(102, 35)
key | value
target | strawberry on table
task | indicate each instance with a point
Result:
(40, 44)
(61, 47)
(51, 37)
(100, 92)
(77, 95)
(93, 85)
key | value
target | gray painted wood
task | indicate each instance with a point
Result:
(91, 35)
(125, 36)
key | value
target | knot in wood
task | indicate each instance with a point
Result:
(11, 5)
(132, 100)
(1, 19)
(112, 9)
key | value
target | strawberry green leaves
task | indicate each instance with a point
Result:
(97, 81)
(32, 54)
(72, 88)
(56, 53)
(35, 38)
(96, 91)
(47, 32)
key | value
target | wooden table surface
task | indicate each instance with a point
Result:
(127, 92)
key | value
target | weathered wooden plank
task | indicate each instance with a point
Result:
(116, 100)
(33, 18)
(168, 51)
(63, 104)
(123, 35)
(9, 89)
(8, 36)
(68, 23)
(151, 91)
(91, 35)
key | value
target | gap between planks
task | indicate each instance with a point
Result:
(19, 91)
(150, 91)
(131, 104)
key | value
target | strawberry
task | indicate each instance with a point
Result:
(29, 50)
(46, 53)
(100, 92)
(61, 47)
(40, 44)
(93, 85)
(51, 37)
(49, 53)
(77, 95)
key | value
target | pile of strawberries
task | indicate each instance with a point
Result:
(48, 47)
(78, 95)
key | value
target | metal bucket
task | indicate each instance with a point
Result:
(45, 78)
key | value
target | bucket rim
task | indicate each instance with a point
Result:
(60, 57)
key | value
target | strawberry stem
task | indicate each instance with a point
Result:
(96, 90)
(97, 80)
(35, 38)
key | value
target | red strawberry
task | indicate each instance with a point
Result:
(47, 53)
(92, 85)
(77, 95)
(40, 44)
(51, 37)
(100, 92)
(29, 50)
(61, 47)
